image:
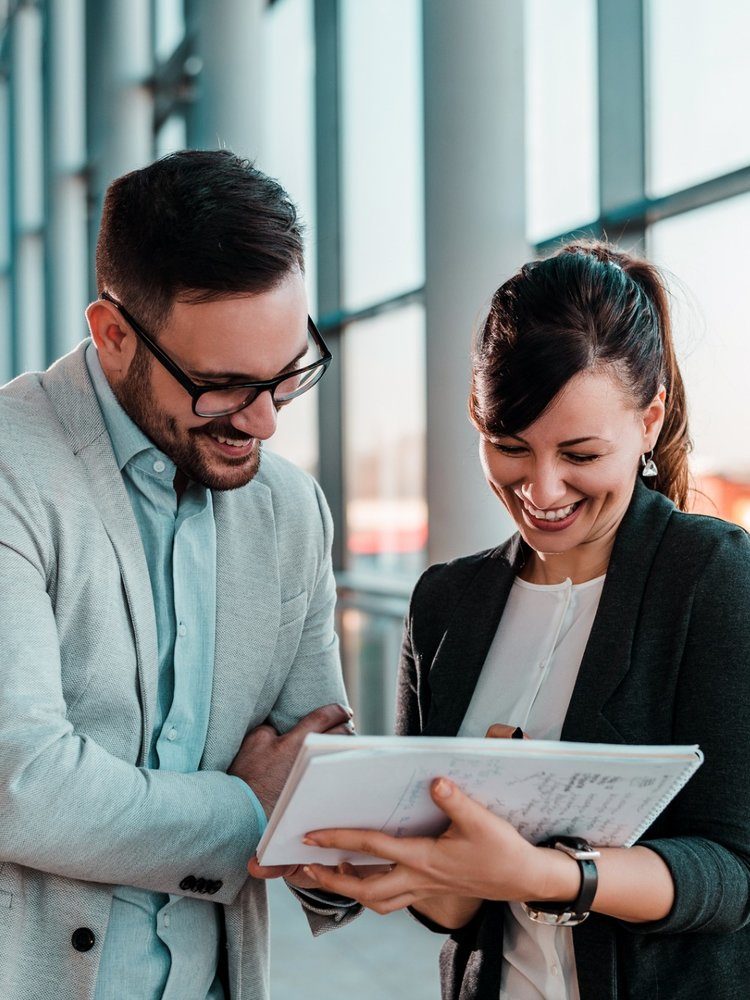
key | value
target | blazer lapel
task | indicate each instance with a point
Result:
(468, 638)
(72, 395)
(607, 657)
(248, 612)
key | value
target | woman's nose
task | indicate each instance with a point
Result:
(258, 419)
(545, 487)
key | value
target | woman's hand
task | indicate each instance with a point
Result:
(480, 855)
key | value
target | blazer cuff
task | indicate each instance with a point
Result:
(260, 813)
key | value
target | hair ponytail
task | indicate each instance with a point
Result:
(674, 444)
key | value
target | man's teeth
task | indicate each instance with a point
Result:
(552, 515)
(232, 442)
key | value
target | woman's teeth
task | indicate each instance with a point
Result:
(552, 515)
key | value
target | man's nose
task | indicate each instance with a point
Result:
(258, 419)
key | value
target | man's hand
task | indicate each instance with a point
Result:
(265, 758)
(264, 761)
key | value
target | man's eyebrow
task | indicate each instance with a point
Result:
(206, 373)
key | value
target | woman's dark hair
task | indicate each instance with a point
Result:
(589, 307)
(202, 224)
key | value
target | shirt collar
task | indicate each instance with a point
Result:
(128, 440)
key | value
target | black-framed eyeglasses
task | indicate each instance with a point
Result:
(221, 400)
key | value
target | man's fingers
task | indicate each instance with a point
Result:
(346, 729)
(322, 719)
(270, 871)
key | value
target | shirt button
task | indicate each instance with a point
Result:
(182, 630)
(554, 970)
(172, 734)
(166, 920)
(159, 466)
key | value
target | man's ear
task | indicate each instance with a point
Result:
(115, 341)
(653, 419)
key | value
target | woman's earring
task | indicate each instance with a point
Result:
(649, 469)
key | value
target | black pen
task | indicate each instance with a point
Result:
(517, 733)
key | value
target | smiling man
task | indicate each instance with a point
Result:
(167, 626)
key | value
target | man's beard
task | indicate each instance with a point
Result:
(135, 396)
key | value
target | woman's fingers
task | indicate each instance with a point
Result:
(499, 731)
(371, 890)
(467, 817)
(403, 849)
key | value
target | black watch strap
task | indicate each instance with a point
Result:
(582, 852)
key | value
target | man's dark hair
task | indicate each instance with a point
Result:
(196, 225)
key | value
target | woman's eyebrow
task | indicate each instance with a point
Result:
(568, 444)
(562, 444)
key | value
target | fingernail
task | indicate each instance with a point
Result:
(345, 708)
(310, 841)
(308, 871)
(442, 788)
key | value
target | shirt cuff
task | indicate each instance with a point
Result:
(260, 812)
(326, 898)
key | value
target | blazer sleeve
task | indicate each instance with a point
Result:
(709, 858)
(68, 806)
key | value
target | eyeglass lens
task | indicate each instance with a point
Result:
(217, 402)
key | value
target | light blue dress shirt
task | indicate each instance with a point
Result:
(159, 946)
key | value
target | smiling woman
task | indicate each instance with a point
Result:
(612, 616)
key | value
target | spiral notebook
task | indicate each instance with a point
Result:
(608, 794)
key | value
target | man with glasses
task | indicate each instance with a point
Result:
(167, 627)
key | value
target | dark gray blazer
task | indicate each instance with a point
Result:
(667, 661)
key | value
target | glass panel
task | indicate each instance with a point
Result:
(169, 27)
(30, 304)
(384, 448)
(705, 249)
(561, 113)
(6, 372)
(698, 78)
(287, 151)
(26, 88)
(381, 87)
(172, 135)
(370, 647)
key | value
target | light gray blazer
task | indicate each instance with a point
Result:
(78, 677)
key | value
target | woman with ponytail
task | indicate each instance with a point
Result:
(612, 616)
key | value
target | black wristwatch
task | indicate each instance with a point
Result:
(575, 912)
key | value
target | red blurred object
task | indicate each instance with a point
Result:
(723, 497)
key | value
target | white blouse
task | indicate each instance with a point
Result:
(527, 680)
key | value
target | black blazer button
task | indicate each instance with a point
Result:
(215, 886)
(200, 885)
(188, 883)
(83, 939)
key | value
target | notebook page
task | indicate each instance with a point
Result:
(605, 794)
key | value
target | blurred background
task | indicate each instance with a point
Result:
(432, 146)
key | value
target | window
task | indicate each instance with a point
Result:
(706, 250)
(384, 405)
(698, 81)
(381, 73)
(561, 116)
